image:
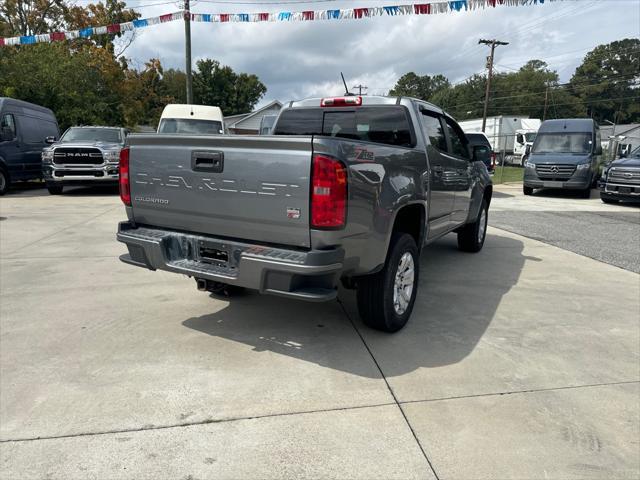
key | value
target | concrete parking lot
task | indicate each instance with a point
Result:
(522, 361)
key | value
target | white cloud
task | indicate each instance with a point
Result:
(296, 60)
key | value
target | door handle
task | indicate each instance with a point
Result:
(207, 162)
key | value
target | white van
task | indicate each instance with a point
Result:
(191, 119)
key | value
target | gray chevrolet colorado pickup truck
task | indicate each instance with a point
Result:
(83, 156)
(345, 189)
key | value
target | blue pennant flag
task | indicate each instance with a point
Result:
(85, 32)
(140, 23)
(391, 10)
(458, 5)
(206, 17)
(284, 16)
(27, 40)
(333, 14)
(243, 17)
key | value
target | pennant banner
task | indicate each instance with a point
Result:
(425, 8)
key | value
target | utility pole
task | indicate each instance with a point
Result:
(546, 103)
(360, 87)
(187, 50)
(493, 44)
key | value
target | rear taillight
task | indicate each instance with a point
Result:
(341, 102)
(493, 159)
(125, 190)
(328, 193)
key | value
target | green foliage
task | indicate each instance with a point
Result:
(215, 84)
(82, 86)
(608, 81)
(417, 86)
(604, 86)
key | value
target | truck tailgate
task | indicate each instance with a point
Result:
(243, 187)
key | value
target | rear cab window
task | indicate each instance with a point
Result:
(388, 125)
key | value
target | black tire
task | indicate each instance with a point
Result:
(5, 181)
(527, 190)
(375, 293)
(608, 199)
(471, 236)
(55, 189)
(586, 193)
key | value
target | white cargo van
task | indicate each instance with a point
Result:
(191, 119)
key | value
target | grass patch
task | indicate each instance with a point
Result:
(508, 174)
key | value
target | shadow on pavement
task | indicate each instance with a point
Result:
(38, 189)
(458, 298)
(497, 194)
(563, 193)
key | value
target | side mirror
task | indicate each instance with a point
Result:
(50, 140)
(481, 153)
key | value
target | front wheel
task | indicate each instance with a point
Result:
(527, 190)
(4, 181)
(386, 298)
(471, 236)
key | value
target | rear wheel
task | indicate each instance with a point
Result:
(471, 236)
(386, 298)
(4, 181)
(527, 190)
(55, 189)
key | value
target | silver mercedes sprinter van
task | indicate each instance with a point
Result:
(566, 154)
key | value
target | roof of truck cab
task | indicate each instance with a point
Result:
(567, 125)
(197, 112)
(366, 100)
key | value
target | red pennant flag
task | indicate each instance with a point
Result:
(57, 36)
(263, 17)
(360, 12)
(308, 15)
(166, 18)
(224, 17)
(114, 28)
(423, 9)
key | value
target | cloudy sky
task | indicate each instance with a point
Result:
(300, 59)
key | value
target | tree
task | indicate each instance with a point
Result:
(82, 86)
(215, 84)
(422, 87)
(608, 79)
(174, 85)
(28, 17)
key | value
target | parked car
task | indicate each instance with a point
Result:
(566, 154)
(191, 119)
(621, 179)
(477, 139)
(83, 156)
(347, 188)
(25, 129)
(509, 136)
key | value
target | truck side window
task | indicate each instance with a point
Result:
(434, 131)
(458, 142)
(8, 124)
